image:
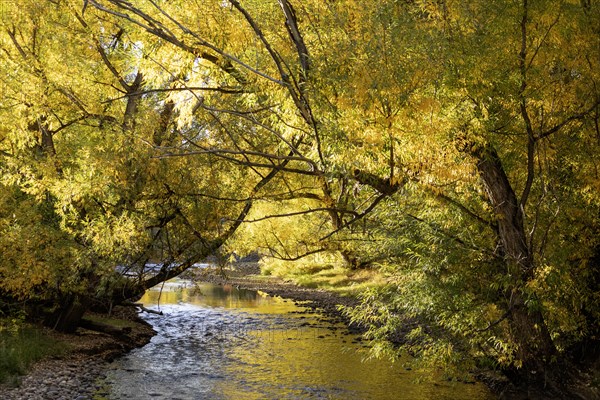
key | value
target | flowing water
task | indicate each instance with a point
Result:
(219, 342)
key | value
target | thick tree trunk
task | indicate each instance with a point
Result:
(68, 317)
(535, 349)
(508, 211)
(530, 332)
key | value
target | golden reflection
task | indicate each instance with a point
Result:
(209, 295)
(309, 358)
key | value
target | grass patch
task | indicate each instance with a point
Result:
(335, 278)
(21, 347)
(327, 275)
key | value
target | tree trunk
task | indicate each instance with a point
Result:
(528, 330)
(530, 333)
(69, 315)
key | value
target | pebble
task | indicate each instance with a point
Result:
(56, 380)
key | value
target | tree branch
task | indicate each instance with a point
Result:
(294, 213)
(357, 217)
(572, 118)
(523, 108)
(182, 89)
(297, 257)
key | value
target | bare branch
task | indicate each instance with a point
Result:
(303, 212)
(182, 89)
(357, 217)
(300, 256)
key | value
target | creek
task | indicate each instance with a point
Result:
(221, 342)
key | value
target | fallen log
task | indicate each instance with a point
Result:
(141, 307)
(104, 328)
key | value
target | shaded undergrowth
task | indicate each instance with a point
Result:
(21, 346)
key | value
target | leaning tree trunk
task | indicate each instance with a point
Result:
(528, 329)
(69, 314)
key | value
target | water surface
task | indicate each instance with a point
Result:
(220, 342)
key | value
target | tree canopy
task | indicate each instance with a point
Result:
(451, 145)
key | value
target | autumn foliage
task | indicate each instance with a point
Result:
(451, 145)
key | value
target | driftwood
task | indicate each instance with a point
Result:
(104, 328)
(141, 307)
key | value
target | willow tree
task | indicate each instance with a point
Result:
(462, 132)
(497, 249)
(85, 197)
(494, 140)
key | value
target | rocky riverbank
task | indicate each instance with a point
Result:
(75, 375)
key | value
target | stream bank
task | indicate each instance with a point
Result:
(227, 342)
(74, 374)
(247, 276)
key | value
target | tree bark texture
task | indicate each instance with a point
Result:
(527, 326)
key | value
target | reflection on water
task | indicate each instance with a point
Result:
(220, 342)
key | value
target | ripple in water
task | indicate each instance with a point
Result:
(218, 342)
